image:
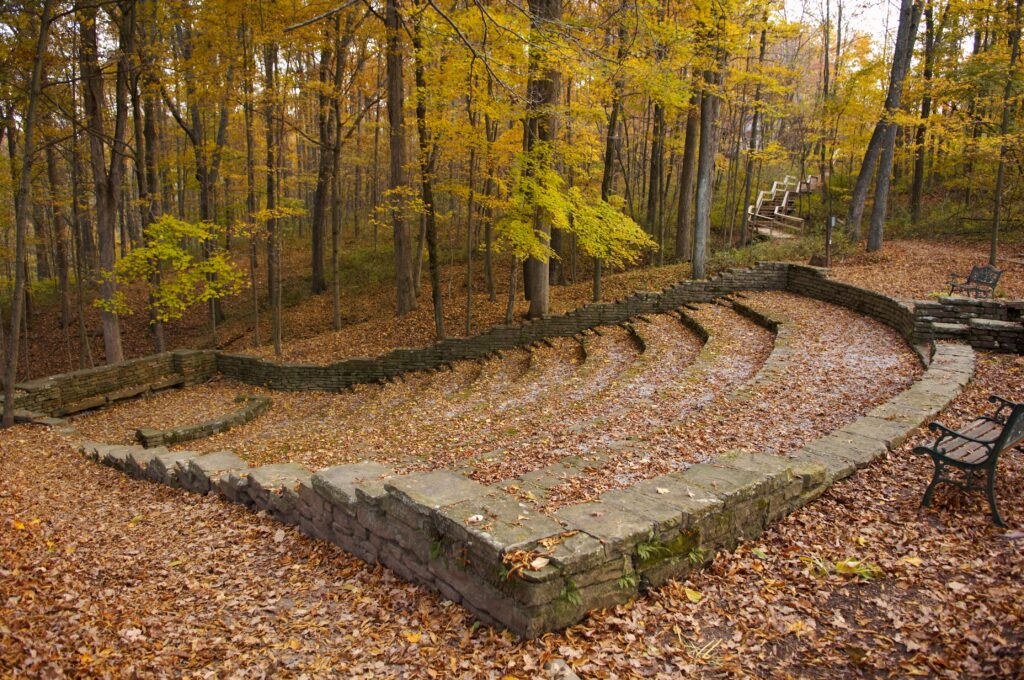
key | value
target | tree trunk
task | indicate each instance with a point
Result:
(920, 136)
(21, 208)
(543, 89)
(427, 159)
(60, 235)
(709, 105)
(755, 126)
(684, 228)
(1004, 130)
(910, 15)
(106, 181)
(273, 160)
(406, 300)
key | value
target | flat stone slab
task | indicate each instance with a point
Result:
(618, 529)
(996, 325)
(212, 465)
(338, 484)
(498, 521)
(892, 434)
(947, 329)
(202, 473)
(434, 490)
(732, 485)
(836, 466)
(674, 489)
(116, 456)
(858, 449)
(273, 478)
(139, 458)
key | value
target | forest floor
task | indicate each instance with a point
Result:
(102, 574)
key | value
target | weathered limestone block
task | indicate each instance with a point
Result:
(856, 448)
(90, 450)
(410, 498)
(265, 486)
(163, 467)
(747, 497)
(137, 463)
(202, 473)
(337, 485)
(116, 456)
(491, 524)
(890, 433)
(805, 478)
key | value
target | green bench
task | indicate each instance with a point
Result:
(975, 451)
(981, 282)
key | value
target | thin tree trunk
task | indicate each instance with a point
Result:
(543, 90)
(684, 228)
(107, 180)
(406, 300)
(1004, 129)
(910, 15)
(21, 208)
(273, 162)
(755, 126)
(705, 174)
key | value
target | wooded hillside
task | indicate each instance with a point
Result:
(165, 156)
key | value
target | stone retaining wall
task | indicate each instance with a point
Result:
(68, 393)
(252, 407)
(73, 392)
(984, 324)
(532, 573)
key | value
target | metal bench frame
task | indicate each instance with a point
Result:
(981, 474)
(981, 282)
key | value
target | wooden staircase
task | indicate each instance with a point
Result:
(773, 214)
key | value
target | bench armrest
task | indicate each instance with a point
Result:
(1002, 404)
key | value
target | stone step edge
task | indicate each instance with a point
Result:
(252, 407)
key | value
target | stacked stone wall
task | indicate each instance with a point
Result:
(985, 324)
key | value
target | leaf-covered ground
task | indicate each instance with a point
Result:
(101, 574)
(838, 366)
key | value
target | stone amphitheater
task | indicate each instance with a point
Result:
(538, 471)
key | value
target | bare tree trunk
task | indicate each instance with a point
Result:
(920, 137)
(60, 235)
(248, 110)
(1004, 129)
(755, 127)
(910, 15)
(106, 180)
(406, 300)
(327, 127)
(709, 105)
(273, 161)
(543, 89)
(684, 229)
(427, 161)
(21, 208)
